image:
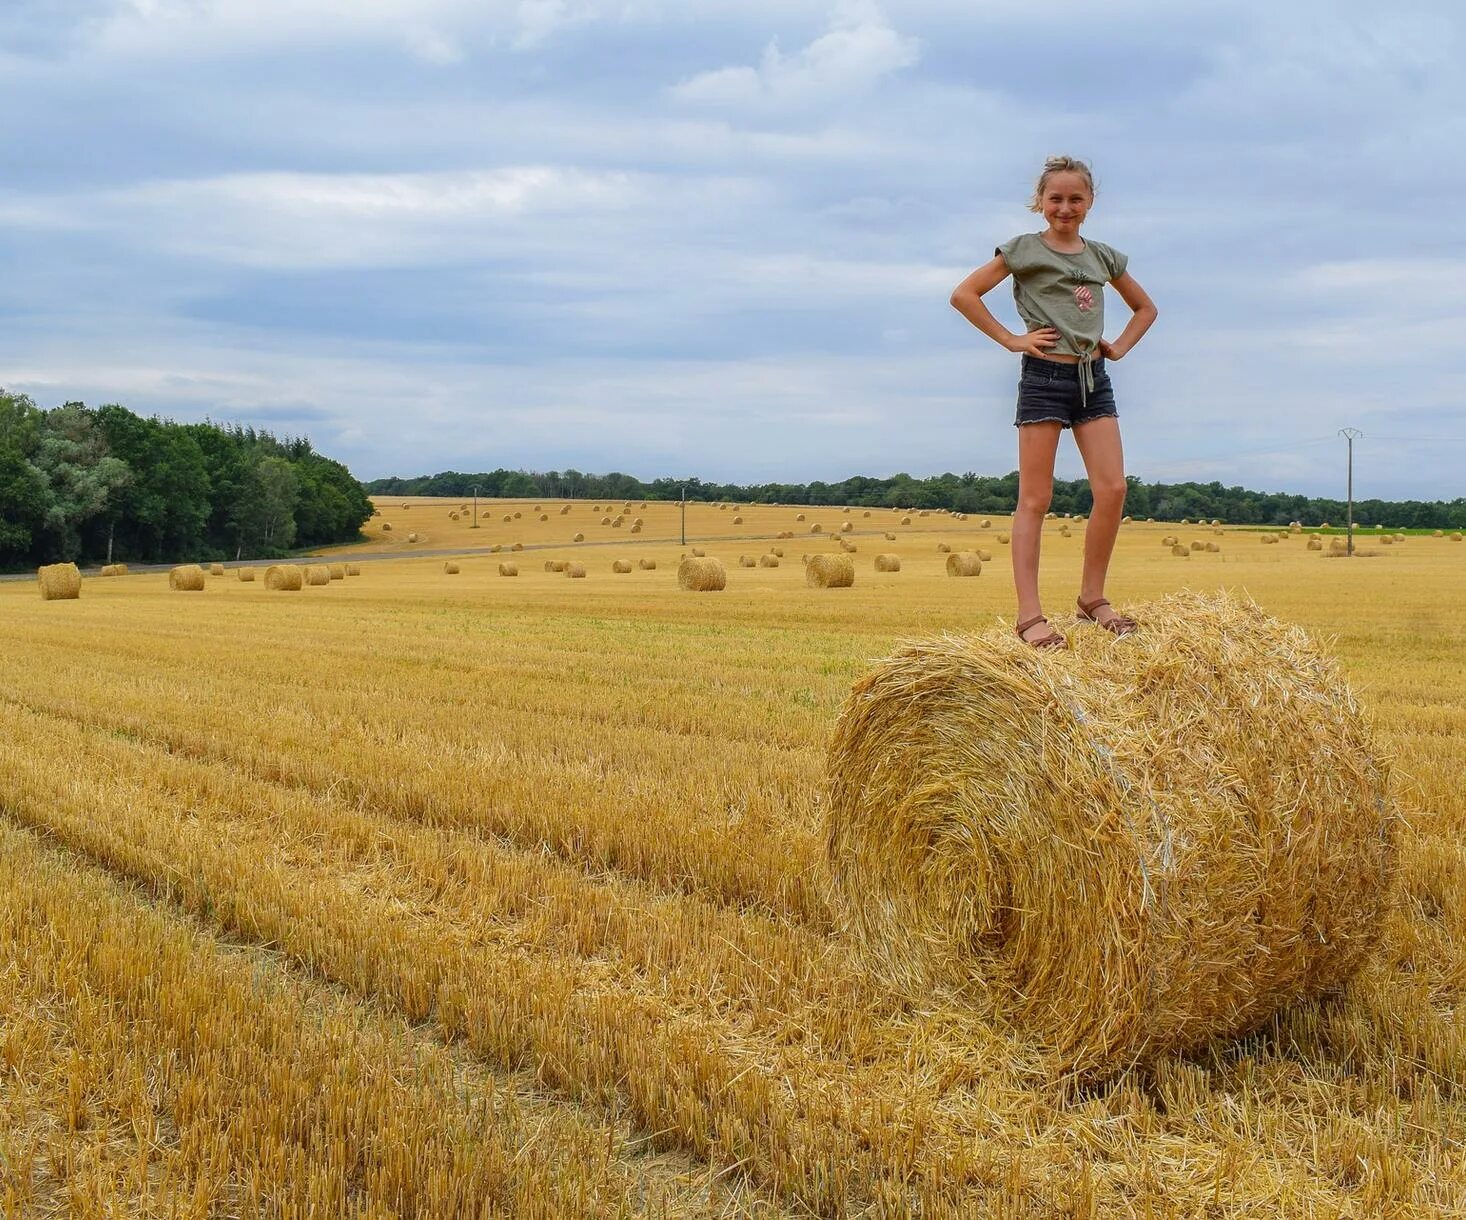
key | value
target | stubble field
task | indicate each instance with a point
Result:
(441, 895)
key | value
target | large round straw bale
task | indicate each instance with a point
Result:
(816, 528)
(621, 565)
(605, 520)
(518, 515)
(1315, 544)
(985, 556)
(114, 569)
(1170, 540)
(508, 517)
(1456, 537)
(578, 538)
(964, 563)
(747, 561)
(1003, 538)
(636, 527)
(518, 546)
(1338, 544)
(737, 520)
(829, 572)
(452, 516)
(848, 547)
(777, 551)
(1213, 547)
(866, 513)
(799, 516)
(1197, 544)
(564, 508)
(536, 508)
(1185, 520)
(905, 520)
(544, 516)
(1180, 550)
(647, 565)
(554, 565)
(336, 571)
(888, 563)
(576, 571)
(986, 523)
(386, 527)
(637, 522)
(508, 569)
(1167, 883)
(353, 569)
(768, 561)
(616, 524)
(411, 537)
(846, 526)
(187, 578)
(890, 537)
(701, 574)
(450, 568)
(317, 574)
(1387, 540)
(216, 569)
(698, 552)
(246, 575)
(60, 582)
(286, 577)
(944, 548)
(923, 513)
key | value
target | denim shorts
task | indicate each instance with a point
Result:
(1049, 391)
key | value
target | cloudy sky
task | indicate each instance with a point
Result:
(717, 237)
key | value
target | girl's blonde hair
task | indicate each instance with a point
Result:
(1059, 165)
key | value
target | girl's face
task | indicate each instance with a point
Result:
(1066, 201)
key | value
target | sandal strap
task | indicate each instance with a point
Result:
(1094, 605)
(1037, 618)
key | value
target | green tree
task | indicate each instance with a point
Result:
(82, 473)
(25, 495)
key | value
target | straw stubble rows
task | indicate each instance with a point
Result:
(577, 848)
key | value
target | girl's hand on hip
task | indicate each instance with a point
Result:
(1109, 351)
(1034, 342)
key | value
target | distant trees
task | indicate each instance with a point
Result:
(969, 493)
(97, 485)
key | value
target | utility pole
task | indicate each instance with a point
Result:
(684, 514)
(1349, 434)
(474, 526)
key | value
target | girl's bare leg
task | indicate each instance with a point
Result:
(1104, 462)
(1037, 444)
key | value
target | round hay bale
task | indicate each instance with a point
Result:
(702, 575)
(1338, 544)
(114, 569)
(647, 565)
(1003, 538)
(964, 563)
(536, 508)
(353, 569)
(698, 552)
(847, 526)
(866, 513)
(1170, 540)
(508, 517)
(554, 565)
(1213, 547)
(905, 520)
(768, 561)
(799, 516)
(285, 577)
(816, 528)
(1125, 520)
(848, 547)
(1399, 537)
(890, 537)
(518, 546)
(411, 537)
(336, 571)
(635, 528)
(616, 524)
(487, 513)
(1180, 550)
(450, 568)
(564, 508)
(452, 516)
(518, 515)
(578, 538)
(595, 508)
(246, 575)
(1387, 541)
(544, 516)
(829, 572)
(386, 527)
(216, 569)
(1167, 884)
(60, 582)
(508, 569)
(621, 565)
(777, 551)
(747, 561)
(943, 548)
(1456, 537)
(637, 522)
(605, 520)
(1437, 533)
(576, 571)
(737, 520)
(1197, 544)
(1185, 520)
(1315, 544)
(985, 556)
(987, 523)
(924, 513)
(317, 574)
(186, 578)
(888, 563)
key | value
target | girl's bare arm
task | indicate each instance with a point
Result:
(967, 300)
(1144, 313)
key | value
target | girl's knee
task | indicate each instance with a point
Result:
(1109, 492)
(1034, 506)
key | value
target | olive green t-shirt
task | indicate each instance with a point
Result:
(1065, 291)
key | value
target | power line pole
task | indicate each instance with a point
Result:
(474, 525)
(1349, 435)
(684, 514)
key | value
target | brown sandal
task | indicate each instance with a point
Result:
(1045, 642)
(1120, 624)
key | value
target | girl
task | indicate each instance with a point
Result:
(1058, 284)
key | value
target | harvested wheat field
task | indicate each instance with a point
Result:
(407, 896)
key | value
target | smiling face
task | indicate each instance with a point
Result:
(1066, 200)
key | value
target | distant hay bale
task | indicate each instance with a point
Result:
(637, 523)
(1197, 544)
(616, 524)
(848, 547)
(1387, 540)
(768, 561)
(1167, 885)
(635, 527)
(337, 571)
(847, 526)
(944, 548)
(316, 574)
(1269, 540)
(985, 556)
(1180, 551)
(60, 582)
(747, 561)
(829, 572)
(1185, 520)
(353, 569)
(845, 509)
(702, 575)
(450, 568)
(564, 508)
(386, 527)
(1437, 533)
(595, 508)
(576, 571)
(452, 516)
(1213, 547)
(508, 569)
(889, 537)
(186, 578)
(866, 513)
(785, 534)
(816, 528)
(216, 569)
(647, 565)
(905, 520)
(888, 563)
(1315, 544)
(605, 520)
(412, 537)
(284, 577)
(964, 563)
(621, 565)
(554, 565)
(518, 546)
(777, 551)
(698, 552)
(737, 520)
(487, 513)
(246, 575)
(114, 569)
(923, 513)
(544, 516)
(1170, 540)
(1003, 538)
(1338, 544)
(986, 523)
(579, 537)
(1125, 520)
(1456, 537)
(508, 517)
(1399, 537)
(799, 516)
(495, 549)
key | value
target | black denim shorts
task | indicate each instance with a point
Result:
(1049, 390)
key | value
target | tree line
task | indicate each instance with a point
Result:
(968, 493)
(103, 485)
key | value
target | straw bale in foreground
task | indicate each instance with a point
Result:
(284, 576)
(59, 582)
(1089, 845)
(187, 578)
(830, 572)
(964, 563)
(888, 563)
(246, 575)
(702, 574)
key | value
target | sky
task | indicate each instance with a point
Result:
(718, 237)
